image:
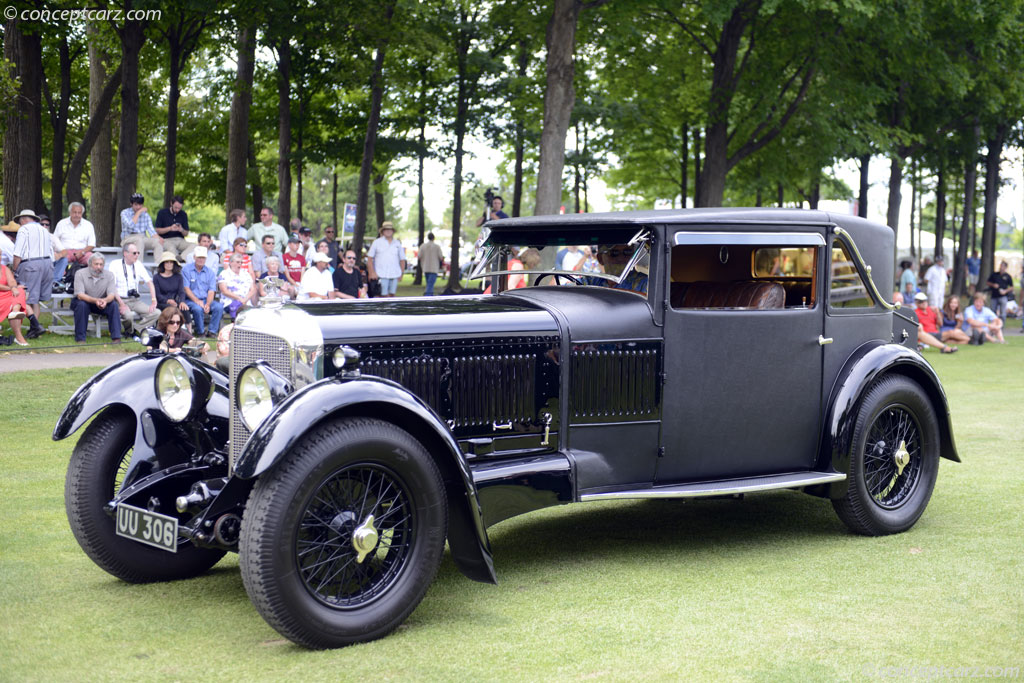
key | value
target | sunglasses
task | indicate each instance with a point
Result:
(173, 322)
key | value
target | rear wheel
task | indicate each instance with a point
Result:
(342, 539)
(96, 471)
(894, 459)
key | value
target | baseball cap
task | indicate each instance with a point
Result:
(321, 258)
(920, 296)
(200, 252)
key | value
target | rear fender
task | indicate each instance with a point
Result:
(370, 396)
(866, 366)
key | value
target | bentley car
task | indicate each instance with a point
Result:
(663, 354)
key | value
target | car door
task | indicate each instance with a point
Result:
(742, 393)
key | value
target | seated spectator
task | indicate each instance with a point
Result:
(928, 324)
(137, 228)
(1000, 286)
(95, 290)
(60, 255)
(287, 290)
(348, 281)
(952, 322)
(223, 361)
(237, 288)
(170, 286)
(200, 293)
(323, 248)
(264, 250)
(908, 280)
(131, 277)
(316, 281)
(76, 234)
(205, 240)
(985, 325)
(172, 323)
(294, 262)
(12, 304)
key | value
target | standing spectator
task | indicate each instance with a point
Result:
(999, 287)
(908, 280)
(170, 286)
(200, 291)
(172, 225)
(496, 205)
(205, 240)
(294, 225)
(973, 266)
(76, 234)
(386, 260)
(348, 281)
(237, 288)
(294, 262)
(430, 261)
(308, 248)
(333, 248)
(232, 231)
(59, 255)
(573, 259)
(928, 319)
(266, 249)
(137, 228)
(316, 281)
(936, 277)
(267, 226)
(129, 277)
(985, 325)
(33, 266)
(12, 304)
(95, 291)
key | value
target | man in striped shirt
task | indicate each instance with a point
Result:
(137, 228)
(33, 265)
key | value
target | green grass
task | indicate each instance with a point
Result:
(771, 587)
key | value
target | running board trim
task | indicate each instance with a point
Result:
(726, 487)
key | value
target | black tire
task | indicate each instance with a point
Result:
(882, 497)
(96, 467)
(298, 555)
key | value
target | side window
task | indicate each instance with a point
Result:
(846, 287)
(743, 276)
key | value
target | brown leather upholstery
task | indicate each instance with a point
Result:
(755, 294)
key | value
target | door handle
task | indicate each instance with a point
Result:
(824, 340)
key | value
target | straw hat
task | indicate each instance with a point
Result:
(167, 256)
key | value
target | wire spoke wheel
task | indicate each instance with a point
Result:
(325, 549)
(889, 475)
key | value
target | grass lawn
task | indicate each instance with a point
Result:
(770, 587)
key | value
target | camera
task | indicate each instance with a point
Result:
(133, 293)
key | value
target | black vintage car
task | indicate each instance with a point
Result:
(674, 354)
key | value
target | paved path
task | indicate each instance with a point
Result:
(19, 361)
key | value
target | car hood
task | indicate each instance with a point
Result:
(460, 316)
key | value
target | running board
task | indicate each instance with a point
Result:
(727, 487)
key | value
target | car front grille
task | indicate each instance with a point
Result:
(247, 347)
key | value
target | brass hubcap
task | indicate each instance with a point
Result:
(364, 539)
(902, 458)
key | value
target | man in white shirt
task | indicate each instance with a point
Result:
(936, 277)
(32, 264)
(386, 260)
(232, 231)
(7, 244)
(130, 276)
(317, 282)
(267, 226)
(76, 234)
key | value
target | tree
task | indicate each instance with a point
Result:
(22, 164)
(101, 162)
(238, 131)
(132, 35)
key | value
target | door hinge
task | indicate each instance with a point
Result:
(661, 451)
(663, 376)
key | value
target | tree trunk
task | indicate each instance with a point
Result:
(815, 195)
(175, 49)
(940, 210)
(420, 219)
(684, 165)
(334, 205)
(862, 196)
(913, 207)
(238, 126)
(255, 182)
(970, 179)
(988, 231)
(697, 146)
(284, 135)
(97, 123)
(370, 141)
(522, 62)
(23, 141)
(559, 98)
(892, 214)
(378, 198)
(132, 38)
(101, 166)
(59, 126)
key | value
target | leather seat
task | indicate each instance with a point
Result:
(753, 294)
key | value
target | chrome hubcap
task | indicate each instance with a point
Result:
(364, 539)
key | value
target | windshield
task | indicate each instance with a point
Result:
(617, 257)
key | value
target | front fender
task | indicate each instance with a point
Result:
(377, 397)
(867, 364)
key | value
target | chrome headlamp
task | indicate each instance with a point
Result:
(181, 387)
(258, 390)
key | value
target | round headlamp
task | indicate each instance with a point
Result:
(151, 337)
(174, 388)
(258, 389)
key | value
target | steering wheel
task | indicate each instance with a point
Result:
(558, 278)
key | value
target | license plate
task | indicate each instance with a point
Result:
(147, 527)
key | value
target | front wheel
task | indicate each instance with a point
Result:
(95, 473)
(894, 459)
(341, 540)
